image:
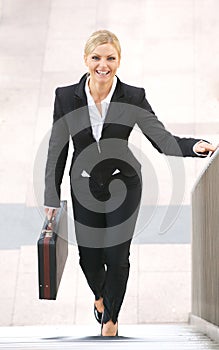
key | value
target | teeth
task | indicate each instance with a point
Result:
(102, 73)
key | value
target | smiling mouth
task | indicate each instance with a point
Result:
(103, 73)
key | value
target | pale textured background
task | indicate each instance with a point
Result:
(169, 47)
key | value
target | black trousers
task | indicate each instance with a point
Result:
(105, 218)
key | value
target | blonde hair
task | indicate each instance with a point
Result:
(101, 37)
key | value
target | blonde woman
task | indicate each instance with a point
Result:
(98, 115)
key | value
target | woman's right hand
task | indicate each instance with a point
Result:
(50, 213)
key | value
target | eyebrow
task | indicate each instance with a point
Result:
(112, 54)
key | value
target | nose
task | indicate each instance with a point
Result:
(103, 62)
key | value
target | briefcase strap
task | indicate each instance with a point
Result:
(46, 259)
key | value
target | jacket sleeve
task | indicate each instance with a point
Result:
(157, 134)
(57, 156)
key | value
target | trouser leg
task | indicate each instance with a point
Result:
(119, 232)
(89, 220)
(116, 227)
(92, 265)
(111, 283)
(117, 261)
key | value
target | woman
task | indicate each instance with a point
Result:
(99, 113)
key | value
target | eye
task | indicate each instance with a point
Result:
(95, 58)
(111, 58)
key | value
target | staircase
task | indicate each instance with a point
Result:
(147, 337)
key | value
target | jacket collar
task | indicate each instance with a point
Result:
(80, 91)
(118, 96)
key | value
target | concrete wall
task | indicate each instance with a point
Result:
(170, 47)
(205, 262)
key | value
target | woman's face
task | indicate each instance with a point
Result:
(103, 63)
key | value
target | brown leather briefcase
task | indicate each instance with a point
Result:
(52, 253)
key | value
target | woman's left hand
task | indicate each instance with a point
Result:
(204, 147)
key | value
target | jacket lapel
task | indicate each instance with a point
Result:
(80, 99)
(80, 102)
(116, 107)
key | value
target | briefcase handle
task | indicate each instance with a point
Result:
(49, 229)
(51, 226)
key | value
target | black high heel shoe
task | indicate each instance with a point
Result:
(98, 315)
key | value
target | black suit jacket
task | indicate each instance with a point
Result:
(128, 107)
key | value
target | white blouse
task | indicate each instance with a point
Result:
(96, 119)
